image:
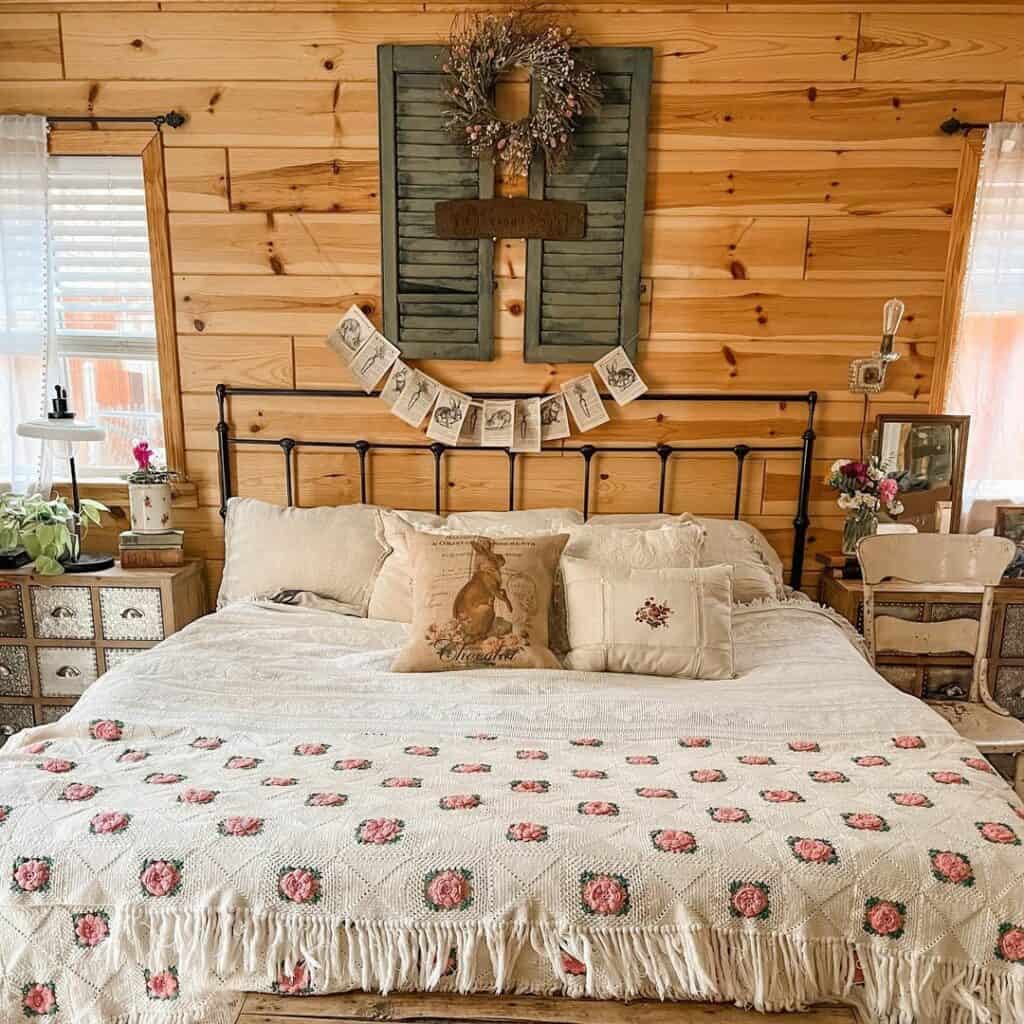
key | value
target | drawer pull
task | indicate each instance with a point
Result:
(7, 731)
(62, 611)
(68, 672)
(5, 672)
(6, 613)
(132, 613)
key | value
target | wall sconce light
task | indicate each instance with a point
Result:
(867, 375)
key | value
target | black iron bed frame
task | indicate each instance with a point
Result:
(586, 451)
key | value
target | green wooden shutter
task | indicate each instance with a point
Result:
(583, 298)
(438, 293)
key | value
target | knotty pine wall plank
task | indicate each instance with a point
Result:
(887, 248)
(30, 46)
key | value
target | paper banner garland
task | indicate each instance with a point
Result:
(521, 425)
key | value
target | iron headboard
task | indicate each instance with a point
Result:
(587, 452)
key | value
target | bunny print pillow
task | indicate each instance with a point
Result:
(480, 602)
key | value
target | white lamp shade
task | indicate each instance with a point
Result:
(61, 430)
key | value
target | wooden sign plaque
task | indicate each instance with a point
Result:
(552, 219)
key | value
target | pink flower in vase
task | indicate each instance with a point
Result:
(143, 455)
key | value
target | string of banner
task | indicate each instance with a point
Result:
(519, 424)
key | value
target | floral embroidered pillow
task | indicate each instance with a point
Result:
(657, 622)
(480, 602)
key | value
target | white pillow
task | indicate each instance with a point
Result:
(660, 622)
(333, 552)
(673, 545)
(518, 523)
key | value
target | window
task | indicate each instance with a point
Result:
(101, 296)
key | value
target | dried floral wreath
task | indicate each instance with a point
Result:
(483, 47)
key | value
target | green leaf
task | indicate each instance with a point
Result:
(46, 566)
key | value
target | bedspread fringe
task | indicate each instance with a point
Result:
(765, 970)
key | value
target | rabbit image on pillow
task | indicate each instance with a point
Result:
(473, 607)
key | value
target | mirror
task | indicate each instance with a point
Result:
(927, 454)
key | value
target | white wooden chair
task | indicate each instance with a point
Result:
(950, 562)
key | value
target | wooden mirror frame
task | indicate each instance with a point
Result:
(961, 427)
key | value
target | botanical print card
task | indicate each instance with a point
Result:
(584, 402)
(373, 360)
(499, 423)
(416, 399)
(350, 333)
(620, 376)
(554, 418)
(395, 384)
(446, 420)
(472, 435)
(526, 429)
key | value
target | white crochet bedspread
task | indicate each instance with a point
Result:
(259, 804)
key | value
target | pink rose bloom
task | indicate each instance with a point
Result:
(109, 821)
(828, 776)
(195, 795)
(694, 741)
(163, 778)
(473, 768)
(729, 814)
(241, 826)
(604, 894)
(299, 885)
(1011, 944)
(571, 965)
(448, 889)
(401, 782)
(207, 742)
(949, 778)
(755, 759)
(910, 799)
(280, 780)
(870, 761)
(352, 764)
(530, 786)
(162, 986)
(866, 821)
(749, 900)
(242, 762)
(673, 840)
(781, 796)
(131, 756)
(885, 917)
(952, 866)
(38, 747)
(600, 808)
(79, 791)
(105, 730)
(652, 793)
(639, 759)
(380, 831)
(311, 749)
(40, 1000)
(422, 751)
(997, 832)
(707, 775)
(160, 877)
(32, 875)
(57, 765)
(295, 983)
(979, 764)
(326, 799)
(460, 801)
(804, 746)
(91, 930)
(589, 773)
(587, 741)
(527, 832)
(907, 742)
(887, 489)
(816, 851)
(531, 755)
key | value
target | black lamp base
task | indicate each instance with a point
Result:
(87, 562)
(14, 559)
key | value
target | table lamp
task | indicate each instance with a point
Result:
(60, 425)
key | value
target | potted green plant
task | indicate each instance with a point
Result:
(49, 531)
(149, 492)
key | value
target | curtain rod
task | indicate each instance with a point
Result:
(171, 118)
(954, 125)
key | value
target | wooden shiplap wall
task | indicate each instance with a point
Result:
(796, 180)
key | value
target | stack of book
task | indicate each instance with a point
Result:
(152, 550)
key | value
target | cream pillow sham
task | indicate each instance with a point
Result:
(659, 622)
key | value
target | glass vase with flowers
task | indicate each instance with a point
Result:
(864, 490)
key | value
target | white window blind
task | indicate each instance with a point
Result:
(102, 290)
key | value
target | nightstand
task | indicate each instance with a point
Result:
(58, 634)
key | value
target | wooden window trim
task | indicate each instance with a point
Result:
(956, 263)
(147, 144)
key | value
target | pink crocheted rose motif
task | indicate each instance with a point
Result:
(587, 741)
(79, 791)
(997, 832)
(379, 831)
(130, 756)
(31, 874)
(207, 743)
(948, 866)
(589, 773)
(39, 999)
(530, 785)
(39, 747)
(606, 895)
(299, 885)
(164, 778)
(1011, 943)
(654, 793)
(162, 984)
(91, 928)
(804, 746)
(694, 741)
(296, 983)
(160, 877)
(280, 780)
(526, 832)
(311, 749)
(5, 812)
(240, 825)
(755, 759)
(326, 799)
(641, 759)
(866, 821)
(471, 768)
(949, 778)
(708, 775)
(870, 761)
(352, 764)
(459, 801)
(418, 751)
(908, 742)
(781, 796)
(448, 889)
(729, 815)
(57, 765)
(572, 966)
(910, 799)
(197, 795)
(812, 851)
(749, 900)
(242, 763)
(108, 729)
(402, 782)
(884, 917)
(531, 755)
(673, 840)
(979, 764)
(107, 822)
(597, 808)
(827, 775)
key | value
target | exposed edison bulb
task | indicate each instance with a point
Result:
(892, 315)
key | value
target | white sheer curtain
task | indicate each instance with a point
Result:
(24, 296)
(986, 379)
